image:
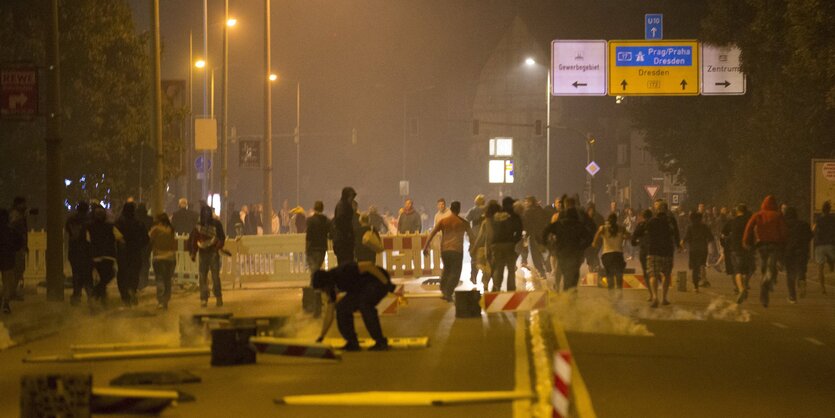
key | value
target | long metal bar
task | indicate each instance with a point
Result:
(55, 190)
(268, 142)
(224, 133)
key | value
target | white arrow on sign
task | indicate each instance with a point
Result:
(17, 100)
(651, 189)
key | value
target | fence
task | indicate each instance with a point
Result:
(274, 258)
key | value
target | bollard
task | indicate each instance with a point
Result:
(561, 398)
(681, 280)
(467, 304)
(55, 395)
(230, 346)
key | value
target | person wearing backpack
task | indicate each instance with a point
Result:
(78, 252)
(453, 228)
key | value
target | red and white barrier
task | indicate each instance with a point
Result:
(630, 281)
(589, 280)
(292, 347)
(515, 301)
(560, 397)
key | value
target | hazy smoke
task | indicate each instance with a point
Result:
(5, 339)
(593, 314)
(719, 309)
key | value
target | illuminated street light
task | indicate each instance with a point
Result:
(530, 62)
(273, 77)
(200, 63)
(231, 22)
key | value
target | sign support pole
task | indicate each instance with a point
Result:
(156, 129)
(55, 190)
(548, 139)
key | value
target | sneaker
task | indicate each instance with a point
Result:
(792, 301)
(351, 347)
(162, 307)
(380, 346)
(204, 303)
(6, 308)
(696, 289)
(764, 295)
(801, 288)
(219, 302)
(665, 302)
(654, 304)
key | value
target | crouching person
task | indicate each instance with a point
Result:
(365, 285)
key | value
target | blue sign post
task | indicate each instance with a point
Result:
(653, 26)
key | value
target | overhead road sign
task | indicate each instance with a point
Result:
(653, 26)
(722, 71)
(653, 68)
(578, 68)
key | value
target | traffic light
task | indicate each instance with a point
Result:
(475, 126)
(354, 136)
(538, 127)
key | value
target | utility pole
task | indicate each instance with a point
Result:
(548, 139)
(189, 146)
(55, 190)
(224, 138)
(298, 139)
(268, 128)
(159, 190)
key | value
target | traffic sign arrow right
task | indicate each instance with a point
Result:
(726, 84)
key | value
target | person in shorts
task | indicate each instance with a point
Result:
(661, 244)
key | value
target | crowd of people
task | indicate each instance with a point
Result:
(557, 239)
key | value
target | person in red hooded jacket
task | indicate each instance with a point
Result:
(768, 233)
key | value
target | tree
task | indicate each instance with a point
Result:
(105, 82)
(743, 148)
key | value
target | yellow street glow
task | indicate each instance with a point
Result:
(231, 22)
(200, 63)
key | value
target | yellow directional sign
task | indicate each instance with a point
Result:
(654, 68)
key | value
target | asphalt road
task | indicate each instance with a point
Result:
(700, 357)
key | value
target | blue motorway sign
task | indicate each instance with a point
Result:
(654, 56)
(654, 26)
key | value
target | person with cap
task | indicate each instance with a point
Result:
(343, 227)
(78, 252)
(365, 285)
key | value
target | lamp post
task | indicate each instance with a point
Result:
(224, 133)
(268, 141)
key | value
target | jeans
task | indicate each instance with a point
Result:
(769, 253)
(570, 270)
(344, 252)
(453, 261)
(163, 272)
(614, 264)
(504, 256)
(209, 262)
(365, 300)
(315, 259)
(536, 256)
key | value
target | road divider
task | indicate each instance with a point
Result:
(521, 301)
(379, 398)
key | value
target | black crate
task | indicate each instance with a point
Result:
(267, 326)
(196, 329)
(55, 395)
(230, 346)
(466, 304)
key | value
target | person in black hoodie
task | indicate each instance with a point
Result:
(130, 253)
(10, 243)
(507, 231)
(102, 236)
(343, 225)
(640, 240)
(662, 242)
(78, 252)
(571, 237)
(365, 285)
(698, 238)
(796, 256)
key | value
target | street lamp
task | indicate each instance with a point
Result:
(296, 134)
(200, 64)
(530, 62)
(231, 22)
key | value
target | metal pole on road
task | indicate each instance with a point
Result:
(224, 137)
(268, 134)
(548, 139)
(298, 139)
(159, 189)
(55, 189)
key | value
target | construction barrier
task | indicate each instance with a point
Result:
(560, 397)
(293, 347)
(279, 257)
(630, 281)
(107, 400)
(589, 280)
(521, 301)
(394, 342)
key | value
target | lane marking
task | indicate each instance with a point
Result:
(521, 407)
(579, 390)
(779, 325)
(814, 341)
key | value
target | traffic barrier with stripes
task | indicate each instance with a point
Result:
(389, 304)
(394, 342)
(589, 280)
(108, 400)
(293, 347)
(560, 398)
(515, 301)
